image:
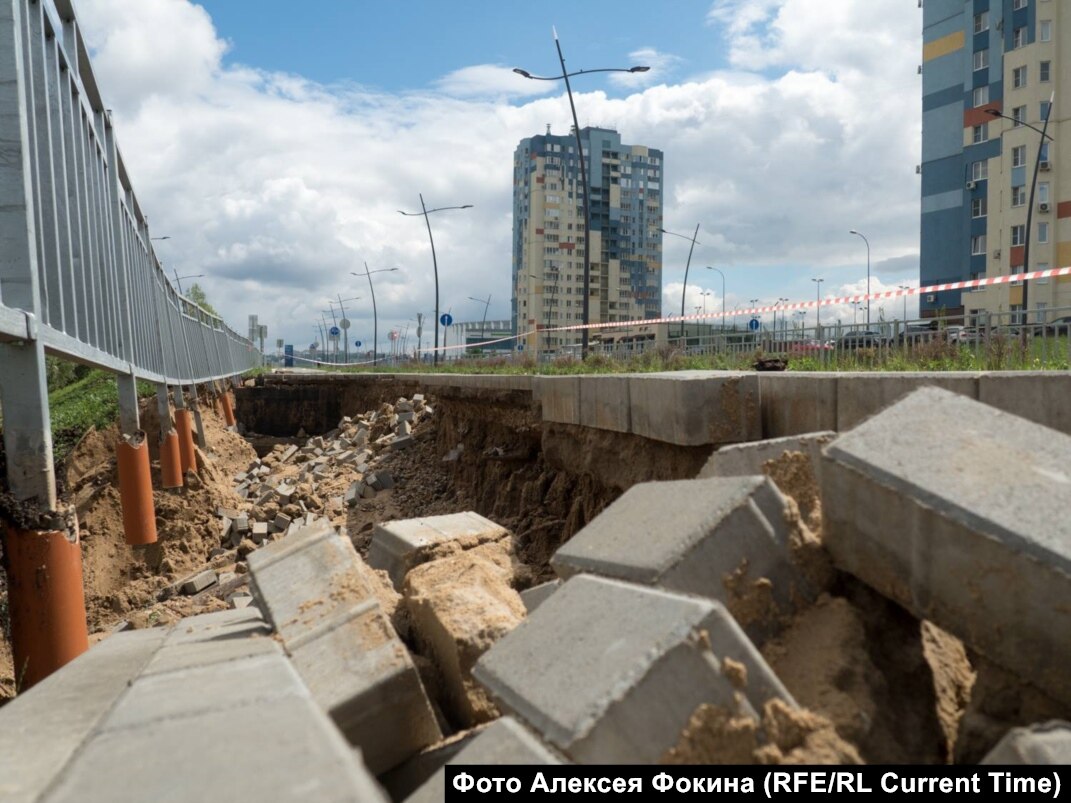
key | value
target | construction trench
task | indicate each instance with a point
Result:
(632, 492)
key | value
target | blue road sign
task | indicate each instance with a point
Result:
(334, 331)
(288, 356)
(446, 319)
(357, 343)
(753, 324)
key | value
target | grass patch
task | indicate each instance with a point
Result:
(92, 401)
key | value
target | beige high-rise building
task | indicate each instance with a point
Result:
(548, 235)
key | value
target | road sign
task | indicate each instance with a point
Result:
(334, 331)
(357, 343)
(753, 324)
(344, 323)
(446, 319)
(279, 343)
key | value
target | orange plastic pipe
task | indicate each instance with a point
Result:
(170, 461)
(228, 410)
(47, 604)
(184, 427)
(135, 491)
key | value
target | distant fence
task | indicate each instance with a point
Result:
(78, 274)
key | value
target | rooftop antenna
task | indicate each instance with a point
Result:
(548, 129)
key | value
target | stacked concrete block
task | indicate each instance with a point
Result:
(505, 741)
(794, 404)
(610, 672)
(1046, 743)
(861, 395)
(726, 538)
(312, 587)
(1038, 396)
(748, 459)
(959, 512)
(695, 408)
(398, 546)
(82, 734)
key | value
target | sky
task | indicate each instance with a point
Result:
(273, 143)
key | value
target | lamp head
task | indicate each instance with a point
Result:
(639, 69)
(519, 71)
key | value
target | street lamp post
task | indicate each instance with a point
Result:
(486, 303)
(865, 240)
(784, 321)
(434, 262)
(342, 317)
(818, 309)
(178, 279)
(565, 76)
(904, 287)
(1033, 188)
(375, 314)
(716, 270)
(687, 265)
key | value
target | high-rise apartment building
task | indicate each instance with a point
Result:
(1008, 56)
(548, 234)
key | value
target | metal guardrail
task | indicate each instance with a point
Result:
(78, 274)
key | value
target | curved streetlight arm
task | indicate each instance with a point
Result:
(1023, 123)
(529, 75)
(427, 212)
(716, 270)
(865, 240)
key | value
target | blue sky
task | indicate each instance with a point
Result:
(274, 142)
(397, 46)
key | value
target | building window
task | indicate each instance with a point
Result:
(980, 170)
(1018, 4)
(1019, 77)
(980, 96)
(1018, 38)
(1045, 30)
(1043, 192)
(1044, 110)
(980, 133)
(1016, 312)
(1043, 232)
(1019, 156)
(1019, 115)
(1045, 152)
(981, 59)
(1018, 235)
(981, 22)
(978, 207)
(1044, 71)
(978, 245)
(1018, 195)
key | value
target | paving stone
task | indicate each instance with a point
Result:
(403, 428)
(714, 537)
(241, 524)
(260, 532)
(610, 672)
(312, 587)
(199, 582)
(225, 526)
(42, 729)
(1046, 743)
(398, 546)
(747, 459)
(240, 476)
(380, 480)
(537, 595)
(288, 454)
(958, 512)
(281, 522)
(186, 715)
(228, 513)
(407, 417)
(401, 442)
(505, 741)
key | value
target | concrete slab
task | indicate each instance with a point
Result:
(505, 741)
(559, 397)
(1038, 396)
(536, 595)
(696, 408)
(958, 512)
(41, 730)
(610, 672)
(747, 459)
(312, 588)
(605, 404)
(713, 537)
(863, 394)
(794, 404)
(398, 546)
(1046, 743)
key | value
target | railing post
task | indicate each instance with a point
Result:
(41, 549)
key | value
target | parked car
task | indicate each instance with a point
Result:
(809, 346)
(914, 335)
(1061, 326)
(864, 339)
(964, 335)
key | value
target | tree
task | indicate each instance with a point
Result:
(197, 296)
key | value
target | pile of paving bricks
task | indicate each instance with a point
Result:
(658, 615)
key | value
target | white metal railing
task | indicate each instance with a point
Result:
(78, 274)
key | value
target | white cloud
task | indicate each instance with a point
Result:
(661, 66)
(490, 80)
(277, 187)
